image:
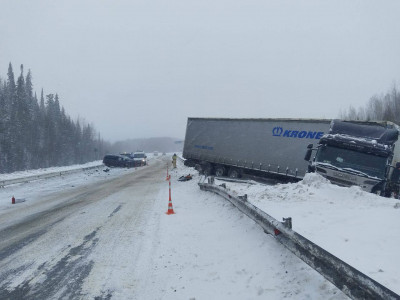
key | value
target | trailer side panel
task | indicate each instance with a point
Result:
(270, 145)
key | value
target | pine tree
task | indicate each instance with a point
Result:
(2, 123)
(10, 136)
(36, 133)
(21, 123)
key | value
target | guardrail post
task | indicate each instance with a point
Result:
(244, 197)
(287, 222)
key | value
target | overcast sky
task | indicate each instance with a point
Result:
(141, 68)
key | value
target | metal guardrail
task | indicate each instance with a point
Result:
(349, 280)
(44, 176)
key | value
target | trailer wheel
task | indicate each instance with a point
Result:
(220, 171)
(234, 173)
(198, 168)
(190, 163)
(207, 169)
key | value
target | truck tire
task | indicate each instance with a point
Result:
(207, 169)
(190, 163)
(234, 173)
(220, 171)
(379, 190)
(198, 168)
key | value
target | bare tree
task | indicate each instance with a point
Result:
(379, 107)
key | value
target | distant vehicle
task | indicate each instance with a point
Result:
(111, 160)
(128, 155)
(140, 158)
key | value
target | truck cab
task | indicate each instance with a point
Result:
(357, 153)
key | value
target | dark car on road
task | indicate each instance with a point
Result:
(113, 160)
(140, 158)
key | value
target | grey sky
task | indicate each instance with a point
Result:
(140, 68)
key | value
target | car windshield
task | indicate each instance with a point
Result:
(138, 155)
(369, 164)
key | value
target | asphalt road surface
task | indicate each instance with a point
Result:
(48, 249)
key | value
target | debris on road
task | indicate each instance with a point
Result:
(185, 178)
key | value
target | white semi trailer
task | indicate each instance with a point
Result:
(263, 147)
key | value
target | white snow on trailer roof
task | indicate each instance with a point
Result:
(263, 119)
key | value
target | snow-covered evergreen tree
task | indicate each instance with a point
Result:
(35, 134)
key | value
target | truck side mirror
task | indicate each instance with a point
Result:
(308, 154)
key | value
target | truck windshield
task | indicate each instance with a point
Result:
(371, 165)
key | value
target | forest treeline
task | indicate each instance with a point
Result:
(384, 107)
(38, 133)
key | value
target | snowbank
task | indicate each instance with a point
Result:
(360, 228)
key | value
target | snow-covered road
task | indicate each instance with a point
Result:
(106, 236)
(47, 245)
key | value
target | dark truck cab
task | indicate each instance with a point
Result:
(359, 153)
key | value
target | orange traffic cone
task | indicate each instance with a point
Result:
(170, 208)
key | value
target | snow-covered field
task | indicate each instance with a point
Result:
(360, 228)
(210, 250)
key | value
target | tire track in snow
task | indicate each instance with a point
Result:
(57, 279)
(64, 272)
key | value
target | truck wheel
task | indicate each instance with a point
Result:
(198, 168)
(220, 171)
(234, 173)
(189, 163)
(207, 169)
